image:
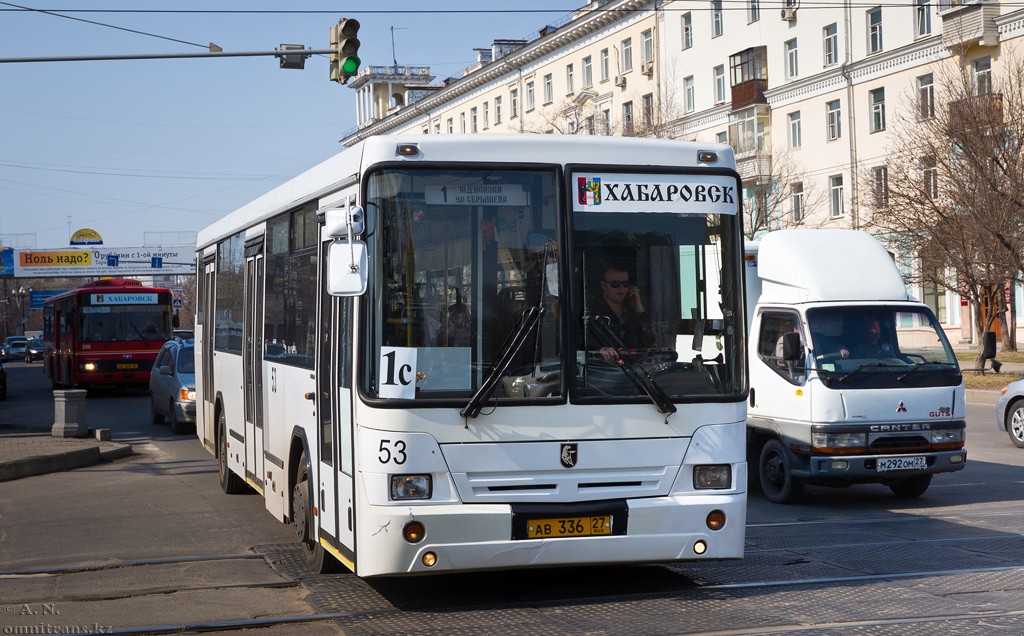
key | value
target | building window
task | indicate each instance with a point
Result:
(462, 123)
(513, 99)
(930, 177)
(570, 84)
(549, 88)
(472, 119)
(926, 97)
(716, 18)
(794, 130)
(497, 110)
(722, 137)
(923, 18)
(880, 187)
(835, 198)
(830, 37)
(796, 201)
(451, 126)
(486, 112)
(934, 296)
(983, 75)
(647, 104)
(627, 118)
(753, 10)
(833, 120)
(688, 95)
(647, 52)
(606, 121)
(604, 65)
(720, 84)
(627, 55)
(876, 102)
(875, 30)
(792, 70)
(530, 96)
(588, 73)
(687, 31)
(588, 124)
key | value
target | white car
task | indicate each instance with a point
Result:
(1010, 411)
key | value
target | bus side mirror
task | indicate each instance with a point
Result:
(344, 222)
(347, 268)
(791, 347)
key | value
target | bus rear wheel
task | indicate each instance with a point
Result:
(318, 560)
(230, 483)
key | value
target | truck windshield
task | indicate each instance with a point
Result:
(880, 346)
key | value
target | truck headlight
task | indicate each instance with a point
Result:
(404, 487)
(947, 438)
(712, 477)
(839, 442)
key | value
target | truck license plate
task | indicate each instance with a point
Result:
(569, 527)
(886, 464)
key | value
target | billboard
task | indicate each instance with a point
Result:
(117, 262)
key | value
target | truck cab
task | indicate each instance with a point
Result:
(851, 379)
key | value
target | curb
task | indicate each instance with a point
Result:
(58, 462)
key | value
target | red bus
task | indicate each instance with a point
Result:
(105, 333)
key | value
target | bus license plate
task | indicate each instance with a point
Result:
(885, 464)
(568, 527)
(130, 365)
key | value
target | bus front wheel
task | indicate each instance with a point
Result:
(317, 559)
(230, 483)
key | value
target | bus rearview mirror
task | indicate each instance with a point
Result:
(347, 268)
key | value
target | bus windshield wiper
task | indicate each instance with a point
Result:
(138, 331)
(872, 365)
(531, 317)
(643, 380)
(920, 365)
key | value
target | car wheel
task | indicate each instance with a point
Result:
(912, 487)
(230, 483)
(176, 426)
(776, 474)
(1015, 424)
(318, 560)
(155, 415)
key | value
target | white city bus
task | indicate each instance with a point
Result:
(414, 352)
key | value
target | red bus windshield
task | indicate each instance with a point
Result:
(116, 323)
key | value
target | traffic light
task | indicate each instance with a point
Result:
(345, 48)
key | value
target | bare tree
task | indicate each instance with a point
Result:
(954, 187)
(782, 195)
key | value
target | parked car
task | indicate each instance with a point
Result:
(34, 350)
(1010, 411)
(14, 347)
(172, 386)
(3, 383)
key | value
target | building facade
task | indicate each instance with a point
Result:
(807, 95)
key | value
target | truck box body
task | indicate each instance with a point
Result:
(873, 393)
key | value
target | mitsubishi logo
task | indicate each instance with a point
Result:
(901, 408)
(568, 455)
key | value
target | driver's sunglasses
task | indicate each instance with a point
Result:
(615, 284)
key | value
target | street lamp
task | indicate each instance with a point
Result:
(20, 294)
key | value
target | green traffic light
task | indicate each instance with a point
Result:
(350, 65)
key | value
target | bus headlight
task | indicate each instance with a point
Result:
(712, 477)
(404, 487)
(88, 366)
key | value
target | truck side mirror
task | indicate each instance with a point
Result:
(792, 350)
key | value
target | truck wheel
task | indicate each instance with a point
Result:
(230, 483)
(317, 559)
(1015, 424)
(912, 487)
(776, 475)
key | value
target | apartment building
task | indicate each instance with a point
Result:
(806, 93)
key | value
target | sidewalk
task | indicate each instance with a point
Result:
(29, 451)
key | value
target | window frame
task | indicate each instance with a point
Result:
(833, 120)
(836, 206)
(876, 108)
(830, 44)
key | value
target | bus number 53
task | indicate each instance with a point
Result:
(392, 451)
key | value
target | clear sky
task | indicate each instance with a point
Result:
(130, 147)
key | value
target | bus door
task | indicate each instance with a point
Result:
(208, 273)
(252, 361)
(334, 417)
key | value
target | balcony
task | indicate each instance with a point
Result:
(749, 92)
(969, 23)
(977, 111)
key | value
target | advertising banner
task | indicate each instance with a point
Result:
(117, 262)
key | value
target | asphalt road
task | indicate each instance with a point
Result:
(151, 544)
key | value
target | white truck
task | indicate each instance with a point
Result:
(851, 379)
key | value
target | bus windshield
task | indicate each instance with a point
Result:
(114, 323)
(470, 285)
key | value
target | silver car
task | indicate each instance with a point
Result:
(172, 386)
(1010, 411)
